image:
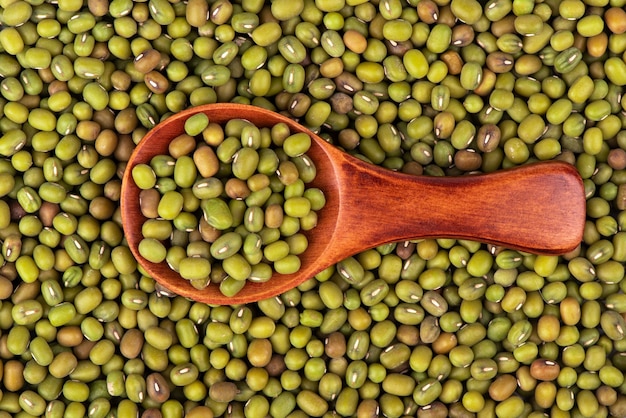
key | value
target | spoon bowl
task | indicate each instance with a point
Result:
(537, 208)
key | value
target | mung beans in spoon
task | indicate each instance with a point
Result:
(231, 215)
(333, 205)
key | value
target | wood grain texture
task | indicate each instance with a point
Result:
(537, 208)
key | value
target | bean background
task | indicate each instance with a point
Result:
(431, 329)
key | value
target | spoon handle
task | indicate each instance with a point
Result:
(537, 208)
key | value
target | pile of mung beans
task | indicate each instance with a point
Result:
(228, 204)
(435, 328)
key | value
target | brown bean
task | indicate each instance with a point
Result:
(467, 160)
(368, 407)
(120, 80)
(618, 409)
(113, 190)
(488, 137)
(348, 83)
(503, 26)
(9, 271)
(341, 103)
(444, 343)
(503, 387)
(543, 369)
(500, 62)
(398, 48)
(408, 335)
(46, 75)
(276, 366)
(355, 41)
(596, 45)
(70, 336)
(165, 61)
(152, 413)
(615, 19)
(462, 35)
(236, 189)
(156, 82)
(429, 330)
(428, 11)
(24, 291)
(446, 17)
(4, 350)
(453, 61)
(82, 350)
(147, 61)
(434, 410)
(413, 167)
(335, 346)
(207, 232)
(405, 249)
(149, 203)
(157, 387)
(299, 104)
(47, 212)
(488, 82)
(200, 411)
(183, 144)
(57, 86)
(617, 159)
(606, 395)
(580, 42)
(6, 288)
(596, 70)
(100, 51)
(31, 101)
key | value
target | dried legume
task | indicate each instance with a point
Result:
(423, 87)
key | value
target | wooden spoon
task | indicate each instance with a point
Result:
(537, 208)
